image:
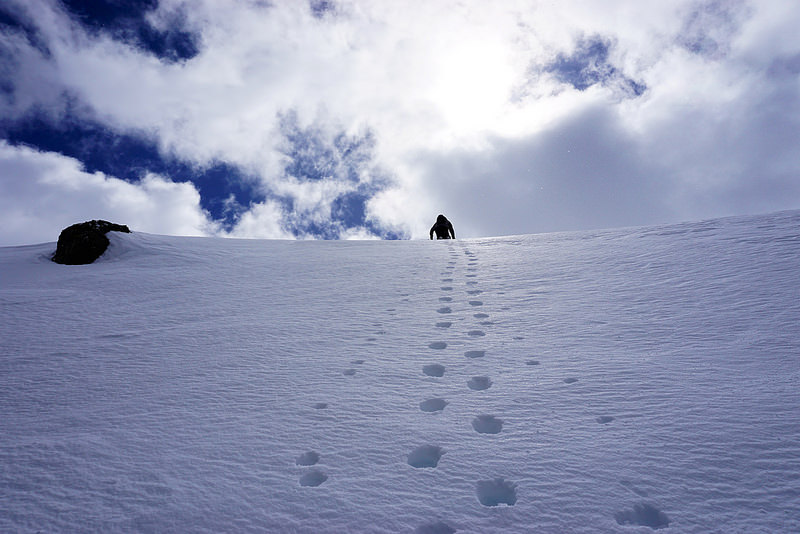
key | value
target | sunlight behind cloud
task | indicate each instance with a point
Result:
(473, 85)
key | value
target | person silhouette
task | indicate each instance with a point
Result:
(443, 228)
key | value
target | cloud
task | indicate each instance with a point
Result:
(42, 193)
(587, 172)
(594, 114)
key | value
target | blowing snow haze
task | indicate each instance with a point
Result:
(338, 119)
(607, 381)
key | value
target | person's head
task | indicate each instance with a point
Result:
(441, 219)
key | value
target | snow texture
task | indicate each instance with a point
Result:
(610, 381)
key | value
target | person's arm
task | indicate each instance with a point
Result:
(432, 227)
(452, 231)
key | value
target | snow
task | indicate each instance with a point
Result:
(610, 381)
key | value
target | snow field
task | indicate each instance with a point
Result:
(612, 381)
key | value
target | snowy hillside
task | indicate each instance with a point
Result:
(611, 381)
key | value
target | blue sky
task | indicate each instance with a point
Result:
(365, 119)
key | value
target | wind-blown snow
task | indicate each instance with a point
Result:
(611, 381)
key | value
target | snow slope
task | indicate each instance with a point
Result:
(612, 381)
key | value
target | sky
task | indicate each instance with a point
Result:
(340, 119)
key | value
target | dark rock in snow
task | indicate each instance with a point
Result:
(83, 243)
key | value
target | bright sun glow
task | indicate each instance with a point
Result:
(473, 86)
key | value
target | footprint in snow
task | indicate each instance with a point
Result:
(604, 419)
(349, 372)
(474, 292)
(321, 406)
(358, 362)
(446, 288)
(425, 456)
(447, 280)
(644, 515)
(476, 333)
(444, 324)
(496, 492)
(479, 383)
(437, 345)
(439, 527)
(313, 478)
(487, 424)
(532, 362)
(445, 309)
(476, 303)
(433, 369)
(475, 353)
(481, 315)
(433, 405)
(472, 283)
(307, 458)
(570, 380)
(470, 275)
(445, 299)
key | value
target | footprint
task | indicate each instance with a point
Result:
(532, 362)
(481, 315)
(476, 303)
(358, 362)
(487, 424)
(349, 372)
(472, 283)
(433, 405)
(433, 369)
(479, 383)
(307, 458)
(496, 492)
(487, 323)
(474, 292)
(446, 309)
(320, 405)
(444, 324)
(447, 279)
(603, 419)
(437, 345)
(446, 288)
(570, 380)
(425, 456)
(470, 275)
(644, 515)
(475, 353)
(476, 333)
(313, 478)
(445, 299)
(439, 527)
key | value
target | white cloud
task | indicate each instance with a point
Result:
(43, 193)
(436, 83)
(263, 221)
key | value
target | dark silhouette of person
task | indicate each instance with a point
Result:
(443, 228)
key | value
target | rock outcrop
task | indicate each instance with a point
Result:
(83, 243)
